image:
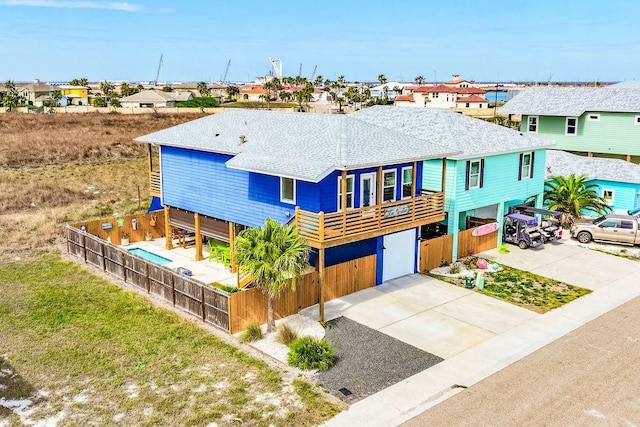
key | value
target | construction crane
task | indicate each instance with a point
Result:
(313, 75)
(277, 69)
(155, 83)
(226, 71)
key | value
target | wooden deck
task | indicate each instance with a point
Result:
(336, 228)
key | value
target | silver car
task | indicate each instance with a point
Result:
(612, 228)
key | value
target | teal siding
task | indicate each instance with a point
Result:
(614, 133)
(625, 194)
(501, 187)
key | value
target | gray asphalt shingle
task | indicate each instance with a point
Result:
(574, 101)
(564, 164)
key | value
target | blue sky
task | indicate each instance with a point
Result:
(565, 40)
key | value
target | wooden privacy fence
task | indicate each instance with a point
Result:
(341, 279)
(209, 304)
(434, 251)
(470, 245)
(147, 225)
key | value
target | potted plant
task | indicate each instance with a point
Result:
(125, 238)
(148, 236)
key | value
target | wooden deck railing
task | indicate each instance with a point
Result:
(154, 183)
(325, 227)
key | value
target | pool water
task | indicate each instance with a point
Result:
(150, 256)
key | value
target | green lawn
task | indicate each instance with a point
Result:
(528, 290)
(89, 353)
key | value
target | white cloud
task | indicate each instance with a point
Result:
(123, 6)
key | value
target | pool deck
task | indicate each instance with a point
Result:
(204, 271)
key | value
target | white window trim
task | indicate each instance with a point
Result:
(282, 199)
(611, 201)
(522, 175)
(566, 126)
(395, 184)
(479, 173)
(529, 124)
(593, 117)
(353, 187)
(637, 120)
(403, 183)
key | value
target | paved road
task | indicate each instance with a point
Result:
(589, 377)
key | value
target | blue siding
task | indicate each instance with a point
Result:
(329, 185)
(200, 182)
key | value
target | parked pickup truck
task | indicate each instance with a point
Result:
(610, 228)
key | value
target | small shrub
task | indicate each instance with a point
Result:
(310, 353)
(286, 334)
(454, 269)
(252, 332)
(226, 288)
(443, 263)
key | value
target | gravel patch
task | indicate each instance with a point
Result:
(368, 361)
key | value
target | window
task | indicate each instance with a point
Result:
(349, 192)
(389, 186)
(610, 223)
(435, 94)
(407, 182)
(572, 126)
(608, 196)
(526, 166)
(593, 117)
(637, 120)
(627, 225)
(533, 124)
(288, 190)
(467, 105)
(475, 172)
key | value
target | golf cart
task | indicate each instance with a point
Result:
(550, 228)
(522, 230)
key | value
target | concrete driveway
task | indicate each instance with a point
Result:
(434, 316)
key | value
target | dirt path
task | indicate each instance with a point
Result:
(589, 377)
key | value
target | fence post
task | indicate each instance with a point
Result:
(104, 261)
(147, 277)
(84, 248)
(204, 313)
(173, 289)
(124, 267)
(68, 232)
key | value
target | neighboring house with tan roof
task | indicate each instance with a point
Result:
(33, 90)
(444, 96)
(154, 99)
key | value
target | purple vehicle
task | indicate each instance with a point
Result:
(522, 230)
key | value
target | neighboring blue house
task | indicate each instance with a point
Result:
(619, 180)
(496, 167)
(353, 189)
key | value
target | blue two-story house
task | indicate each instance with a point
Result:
(495, 168)
(352, 188)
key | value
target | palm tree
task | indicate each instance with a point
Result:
(203, 89)
(382, 79)
(419, 80)
(572, 196)
(318, 80)
(11, 98)
(232, 91)
(275, 256)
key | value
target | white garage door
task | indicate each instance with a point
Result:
(399, 255)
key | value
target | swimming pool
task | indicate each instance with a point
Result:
(150, 256)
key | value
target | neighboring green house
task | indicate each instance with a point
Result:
(619, 180)
(603, 121)
(497, 168)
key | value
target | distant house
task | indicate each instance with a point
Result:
(405, 100)
(31, 91)
(455, 93)
(388, 90)
(456, 81)
(74, 95)
(251, 92)
(596, 121)
(155, 99)
(618, 180)
(472, 101)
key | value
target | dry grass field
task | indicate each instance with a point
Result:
(56, 168)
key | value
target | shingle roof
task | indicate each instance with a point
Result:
(629, 84)
(471, 137)
(149, 95)
(564, 164)
(301, 146)
(554, 101)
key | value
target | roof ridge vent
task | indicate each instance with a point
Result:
(243, 139)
